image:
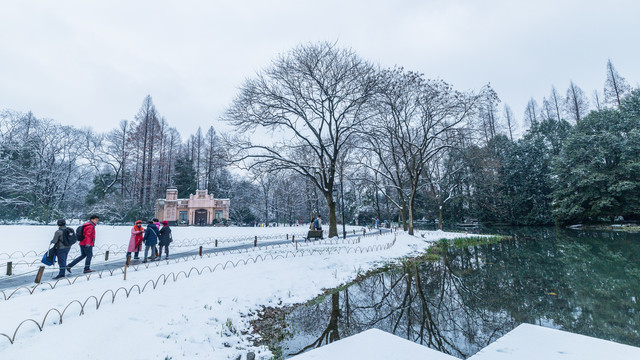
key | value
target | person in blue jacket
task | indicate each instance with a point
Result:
(150, 240)
(317, 224)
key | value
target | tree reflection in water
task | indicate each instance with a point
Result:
(583, 282)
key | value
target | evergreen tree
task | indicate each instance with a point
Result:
(185, 176)
(528, 172)
(598, 168)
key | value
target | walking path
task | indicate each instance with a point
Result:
(12, 282)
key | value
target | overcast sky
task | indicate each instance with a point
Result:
(91, 63)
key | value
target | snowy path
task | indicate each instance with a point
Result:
(100, 265)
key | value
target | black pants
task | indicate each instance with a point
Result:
(62, 260)
(85, 252)
(166, 250)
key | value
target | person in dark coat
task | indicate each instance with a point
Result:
(61, 250)
(150, 240)
(165, 239)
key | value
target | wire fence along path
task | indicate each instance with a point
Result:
(58, 314)
(45, 285)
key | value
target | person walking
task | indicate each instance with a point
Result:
(62, 246)
(86, 244)
(135, 241)
(150, 241)
(165, 239)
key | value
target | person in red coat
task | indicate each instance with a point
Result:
(86, 244)
(135, 241)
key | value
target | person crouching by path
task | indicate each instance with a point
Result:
(61, 249)
(150, 241)
(135, 241)
(86, 244)
(165, 239)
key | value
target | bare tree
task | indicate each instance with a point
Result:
(508, 115)
(556, 102)
(546, 111)
(118, 139)
(596, 100)
(616, 87)
(530, 112)
(576, 103)
(265, 182)
(440, 183)
(312, 101)
(488, 115)
(41, 173)
(198, 158)
(415, 117)
(145, 134)
(102, 158)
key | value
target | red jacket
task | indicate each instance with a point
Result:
(89, 232)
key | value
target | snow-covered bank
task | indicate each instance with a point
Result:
(531, 342)
(526, 342)
(203, 316)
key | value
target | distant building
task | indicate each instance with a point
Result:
(199, 209)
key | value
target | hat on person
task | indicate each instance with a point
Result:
(138, 222)
(165, 223)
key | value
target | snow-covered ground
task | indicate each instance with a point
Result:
(196, 308)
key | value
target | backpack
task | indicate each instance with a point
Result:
(69, 237)
(80, 233)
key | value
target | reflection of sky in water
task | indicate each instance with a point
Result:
(583, 282)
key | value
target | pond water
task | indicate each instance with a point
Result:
(585, 282)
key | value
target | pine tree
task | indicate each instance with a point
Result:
(185, 176)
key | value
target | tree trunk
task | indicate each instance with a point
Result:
(333, 227)
(403, 220)
(410, 208)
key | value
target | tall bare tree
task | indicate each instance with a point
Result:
(508, 116)
(311, 101)
(145, 134)
(556, 102)
(616, 87)
(531, 112)
(576, 103)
